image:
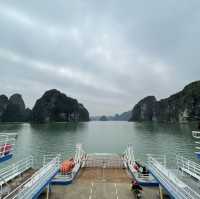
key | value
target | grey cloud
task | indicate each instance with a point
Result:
(108, 54)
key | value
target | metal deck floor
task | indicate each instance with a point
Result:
(99, 183)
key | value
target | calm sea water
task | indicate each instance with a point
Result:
(40, 139)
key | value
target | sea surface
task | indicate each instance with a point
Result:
(107, 137)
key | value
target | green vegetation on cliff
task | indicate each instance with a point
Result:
(183, 106)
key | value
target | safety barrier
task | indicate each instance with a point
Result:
(173, 185)
(32, 187)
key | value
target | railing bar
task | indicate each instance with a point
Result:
(168, 181)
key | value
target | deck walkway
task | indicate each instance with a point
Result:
(20, 179)
(172, 183)
(100, 183)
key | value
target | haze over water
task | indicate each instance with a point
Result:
(108, 137)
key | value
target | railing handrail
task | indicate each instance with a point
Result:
(129, 154)
(48, 157)
(35, 182)
(196, 134)
(16, 168)
(191, 166)
(164, 175)
(5, 182)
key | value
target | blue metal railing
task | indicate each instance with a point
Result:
(173, 185)
(32, 187)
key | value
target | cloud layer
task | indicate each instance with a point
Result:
(108, 54)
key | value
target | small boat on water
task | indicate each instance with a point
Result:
(139, 171)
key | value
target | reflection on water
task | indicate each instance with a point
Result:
(10, 127)
(39, 139)
(58, 127)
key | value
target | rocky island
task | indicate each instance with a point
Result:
(183, 106)
(56, 106)
(13, 109)
(52, 106)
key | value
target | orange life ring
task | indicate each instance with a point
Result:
(67, 166)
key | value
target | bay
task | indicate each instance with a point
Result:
(106, 137)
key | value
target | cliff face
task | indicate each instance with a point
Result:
(52, 106)
(56, 106)
(3, 105)
(181, 107)
(12, 110)
(143, 111)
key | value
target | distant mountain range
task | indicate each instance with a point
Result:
(126, 116)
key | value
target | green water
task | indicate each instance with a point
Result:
(40, 139)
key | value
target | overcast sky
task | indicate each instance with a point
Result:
(106, 53)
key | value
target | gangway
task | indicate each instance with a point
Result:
(7, 142)
(35, 185)
(9, 173)
(175, 187)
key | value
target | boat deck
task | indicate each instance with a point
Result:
(103, 175)
(12, 184)
(100, 183)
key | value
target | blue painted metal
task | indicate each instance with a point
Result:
(42, 188)
(176, 188)
(78, 158)
(129, 161)
(61, 182)
(34, 186)
(65, 182)
(197, 155)
(5, 158)
(7, 142)
(163, 186)
(142, 183)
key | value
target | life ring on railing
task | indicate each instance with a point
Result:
(5, 149)
(67, 166)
